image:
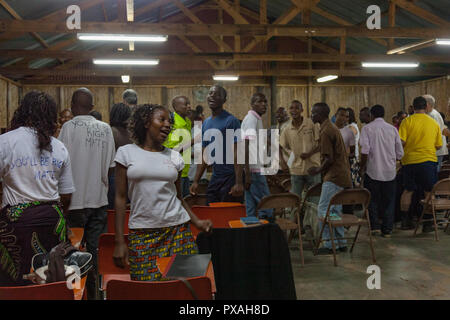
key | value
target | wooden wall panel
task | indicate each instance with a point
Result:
(51, 90)
(438, 89)
(412, 91)
(389, 97)
(13, 101)
(238, 100)
(3, 103)
(347, 97)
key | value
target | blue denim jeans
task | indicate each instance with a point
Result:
(329, 189)
(382, 203)
(258, 190)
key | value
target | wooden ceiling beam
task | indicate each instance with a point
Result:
(226, 29)
(199, 55)
(229, 8)
(99, 72)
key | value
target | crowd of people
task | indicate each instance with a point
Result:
(64, 172)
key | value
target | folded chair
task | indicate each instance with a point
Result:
(347, 197)
(282, 201)
(437, 199)
(198, 288)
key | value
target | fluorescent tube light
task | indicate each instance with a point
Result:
(327, 78)
(443, 42)
(120, 37)
(390, 64)
(225, 78)
(128, 62)
(125, 78)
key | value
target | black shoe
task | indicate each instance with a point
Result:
(343, 249)
(325, 251)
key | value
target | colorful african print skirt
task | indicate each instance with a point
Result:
(25, 230)
(354, 170)
(146, 245)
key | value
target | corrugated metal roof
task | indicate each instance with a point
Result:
(350, 10)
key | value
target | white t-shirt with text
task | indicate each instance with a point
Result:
(151, 187)
(91, 147)
(29, 174)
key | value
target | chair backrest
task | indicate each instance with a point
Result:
(112, 222)
(226, 204)
(220, 216)
(351, 196)
(49, 291)
(197, 200)
(314, 191)
(105, 255)
(158, 290)
(444, 174)
(441, 188)
(286, 184)
(279, 201)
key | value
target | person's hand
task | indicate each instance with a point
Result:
(204, 225)
(313, 171)
(248, 181)
(120, 255)
(305, 155)
(237, 190)
(193, 188)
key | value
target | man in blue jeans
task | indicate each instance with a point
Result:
(335, 170)
(256, 186)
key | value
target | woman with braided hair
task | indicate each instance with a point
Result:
(37, 178)
(159, 217)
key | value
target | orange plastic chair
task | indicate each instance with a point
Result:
(107, 270)
(226, 204)
(111, 221)
(48, 291)
(76, 237)
(220, 216)
(158, 290)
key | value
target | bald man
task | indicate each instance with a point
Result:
(91, 148)
(181, 136)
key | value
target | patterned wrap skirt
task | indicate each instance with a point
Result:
(146, 245)
(25, 230)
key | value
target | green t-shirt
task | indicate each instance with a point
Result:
(180, 135)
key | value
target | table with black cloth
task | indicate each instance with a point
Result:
(250, 263)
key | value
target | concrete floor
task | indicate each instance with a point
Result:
(411, 268)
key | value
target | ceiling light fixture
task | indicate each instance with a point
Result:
(127, 62)
(120, 37)
(390, 64)
(125, 78)
(327, 78)
(443, 42)
(225, 78)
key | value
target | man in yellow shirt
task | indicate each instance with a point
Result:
(178, 138)
(421, 137)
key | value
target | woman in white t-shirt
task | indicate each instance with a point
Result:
(37, 177)
(159, 217)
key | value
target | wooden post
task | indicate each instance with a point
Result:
(273, 100)
(164, 96)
